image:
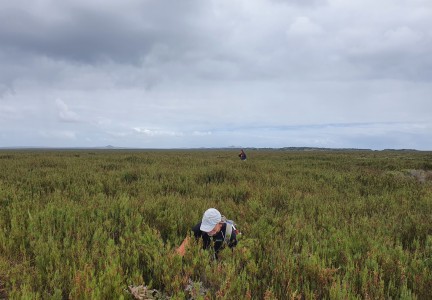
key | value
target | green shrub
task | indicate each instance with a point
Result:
(315, 225)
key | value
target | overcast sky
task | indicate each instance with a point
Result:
(216, 73)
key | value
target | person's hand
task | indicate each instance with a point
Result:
(181, 250)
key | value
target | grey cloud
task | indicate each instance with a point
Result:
(94, 34)
(401, 52)
(302, 2)
(58, 134)
(5, 89)
(186, 72)
(87, 39)
(65, 114)
(166, 38)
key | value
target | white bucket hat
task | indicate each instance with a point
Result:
(210, 219)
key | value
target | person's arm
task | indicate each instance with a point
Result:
(181, 250)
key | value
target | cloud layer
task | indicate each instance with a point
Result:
(165, 73)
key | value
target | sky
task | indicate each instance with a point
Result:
(216, 73)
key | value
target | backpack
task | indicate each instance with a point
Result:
(230, 228)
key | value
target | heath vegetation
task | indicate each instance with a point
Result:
(315, 224)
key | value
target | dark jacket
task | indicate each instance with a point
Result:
(218, 238)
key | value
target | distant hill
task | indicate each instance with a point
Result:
(111, 147)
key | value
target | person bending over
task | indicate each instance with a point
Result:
(213, 228)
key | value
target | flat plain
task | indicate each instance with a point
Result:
(86, 224)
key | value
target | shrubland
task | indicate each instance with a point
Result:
(315, 224)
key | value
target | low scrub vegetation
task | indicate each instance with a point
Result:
(315, 225)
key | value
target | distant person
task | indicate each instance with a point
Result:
(242, 155)
(213, 226)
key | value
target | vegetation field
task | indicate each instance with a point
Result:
(315, 224)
